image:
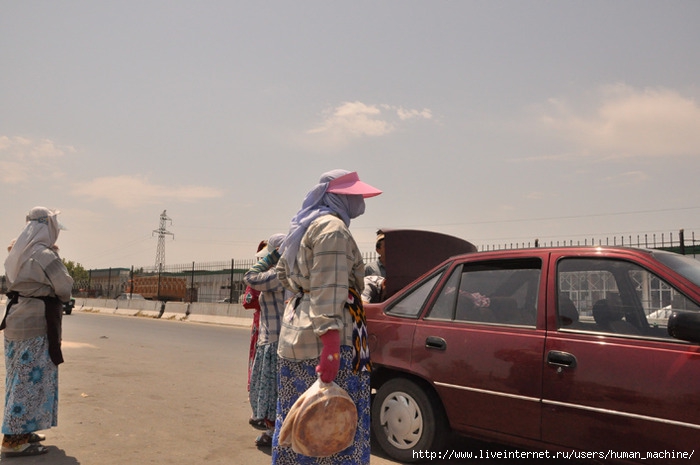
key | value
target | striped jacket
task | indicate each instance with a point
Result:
(328, 263)
(263, 277)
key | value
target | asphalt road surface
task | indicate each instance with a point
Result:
(137, 390)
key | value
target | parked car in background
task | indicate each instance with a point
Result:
(562, 349)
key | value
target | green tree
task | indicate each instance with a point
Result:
(76, 270)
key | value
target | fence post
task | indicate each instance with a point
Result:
(131, 282)
(230, 288)
(191, 287)
(681, 239)
(109, 283)
(160, 270)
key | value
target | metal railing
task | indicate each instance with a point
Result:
(680, 243)
(223, 281)
(193, 282)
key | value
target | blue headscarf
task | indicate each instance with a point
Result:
(318, 202)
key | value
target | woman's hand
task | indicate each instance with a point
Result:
(329, 363)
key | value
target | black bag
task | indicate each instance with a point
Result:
(53, 312)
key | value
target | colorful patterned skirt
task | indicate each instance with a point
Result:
(297, 377)
(31, 387)
(263, 383)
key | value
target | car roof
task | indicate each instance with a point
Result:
(570, 250)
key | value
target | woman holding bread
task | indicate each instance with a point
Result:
(323, 330)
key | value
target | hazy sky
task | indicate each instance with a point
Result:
(495, 121)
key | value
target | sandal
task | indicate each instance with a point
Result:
(258, 424)
(36, 437)
(264, 440)
(25, 450)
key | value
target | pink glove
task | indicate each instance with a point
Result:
(329, 364)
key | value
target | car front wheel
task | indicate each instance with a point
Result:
(405, 420)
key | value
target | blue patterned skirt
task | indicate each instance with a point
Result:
(263, 383)
(297, 377)
(31, 387)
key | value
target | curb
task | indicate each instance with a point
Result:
(209, 319)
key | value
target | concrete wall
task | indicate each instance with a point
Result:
(199, 312)
(203, 312)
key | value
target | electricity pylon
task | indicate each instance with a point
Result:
(162, 232)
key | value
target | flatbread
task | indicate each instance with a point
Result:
(321, 422)
(325, 424)
(285, 437)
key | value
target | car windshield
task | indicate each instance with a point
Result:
(682, 264)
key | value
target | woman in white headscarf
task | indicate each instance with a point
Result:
(38, 285)
(323, 329)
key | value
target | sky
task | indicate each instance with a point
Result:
(499, 122)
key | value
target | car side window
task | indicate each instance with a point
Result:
(412, 304)
(615, 297)
(499, 292)
(444, 306)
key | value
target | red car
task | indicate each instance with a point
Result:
(593, 351)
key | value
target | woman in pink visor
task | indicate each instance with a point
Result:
(323, 330)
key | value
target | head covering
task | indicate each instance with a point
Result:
(339, 192)
(41, 231)
(273, 243)
(350, 184)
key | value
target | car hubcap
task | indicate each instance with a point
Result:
(401, 420)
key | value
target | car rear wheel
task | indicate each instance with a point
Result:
(406, 419)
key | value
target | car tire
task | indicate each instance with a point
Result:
(69, 311)
(405, 419)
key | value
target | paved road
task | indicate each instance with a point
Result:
(144, 391)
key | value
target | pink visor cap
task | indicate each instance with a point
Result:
(350, 184)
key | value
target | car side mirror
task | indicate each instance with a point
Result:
(685, 326)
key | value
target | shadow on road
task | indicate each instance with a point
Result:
(55, 456)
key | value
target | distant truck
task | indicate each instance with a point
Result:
(171, 288)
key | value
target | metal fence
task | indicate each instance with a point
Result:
(680, 242)
(193, 282)
(223, 281)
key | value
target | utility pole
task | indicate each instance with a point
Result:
(160, 251)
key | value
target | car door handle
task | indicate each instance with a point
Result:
(434, 342)
(561, 359)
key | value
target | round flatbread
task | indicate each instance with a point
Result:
(285, 437)
(325, 425)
